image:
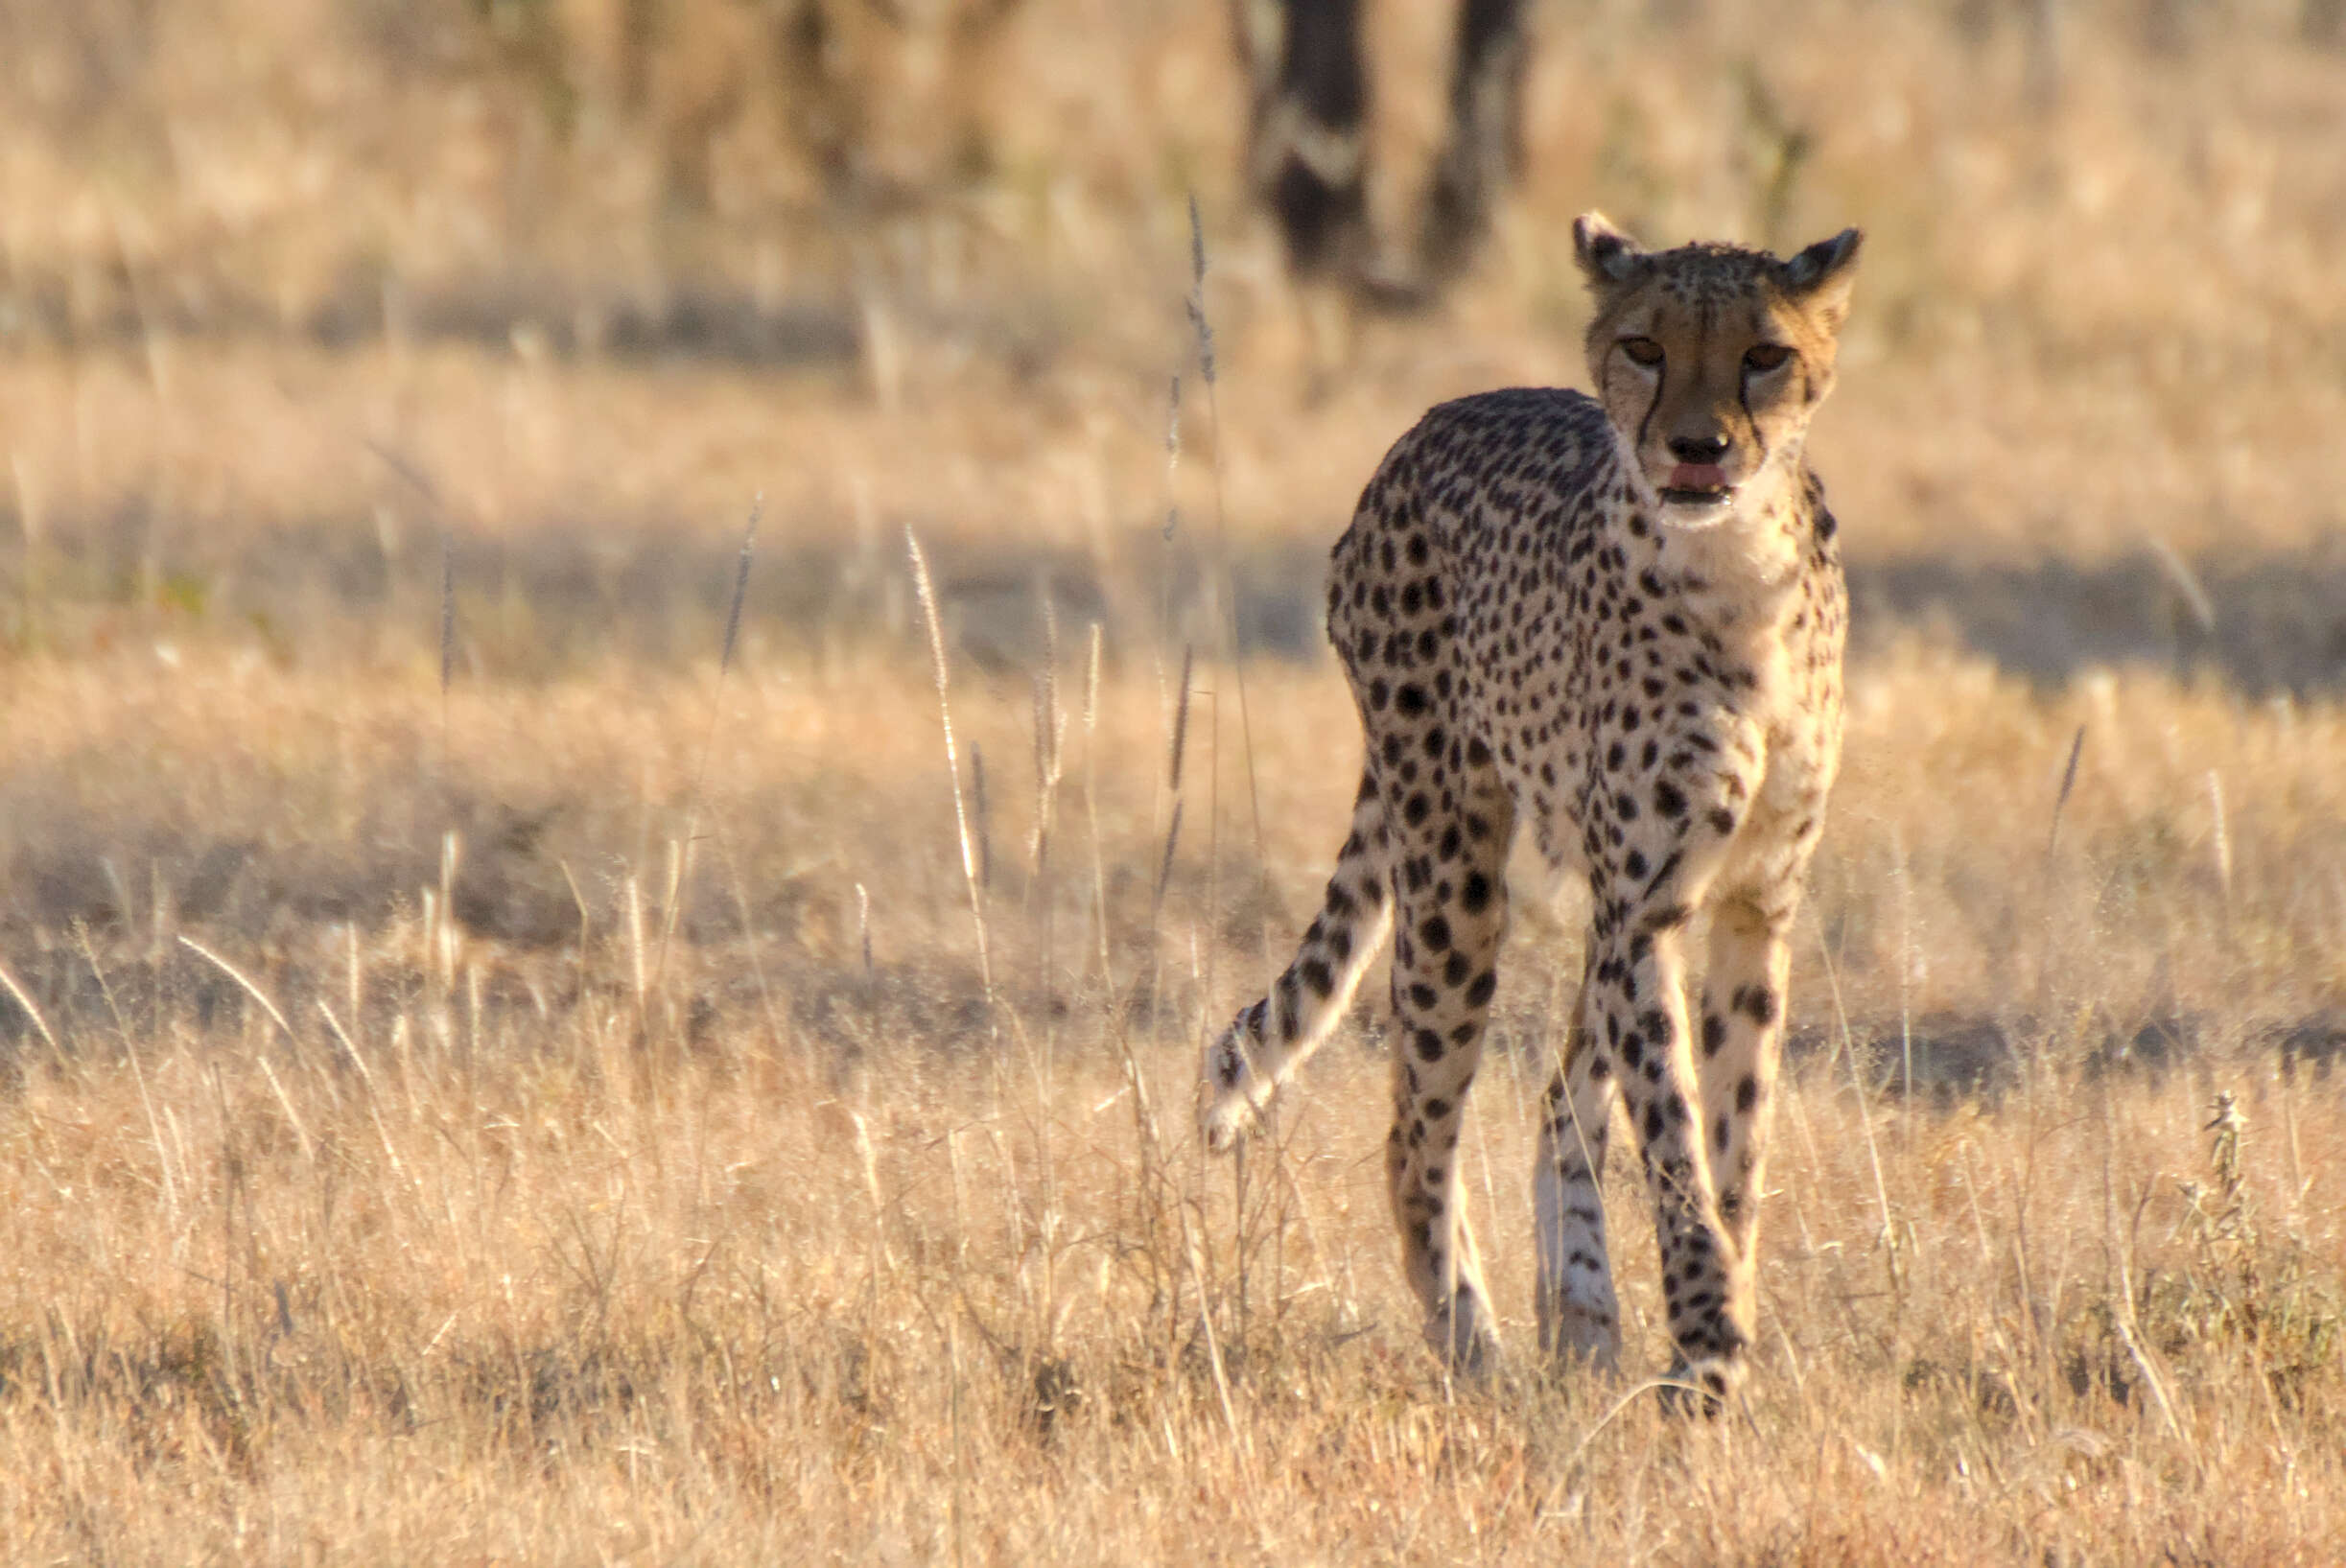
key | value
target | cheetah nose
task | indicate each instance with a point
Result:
(1697, 449)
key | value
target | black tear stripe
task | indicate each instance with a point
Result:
(1645, 425)
(1742, 399)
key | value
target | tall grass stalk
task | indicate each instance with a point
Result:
(246, 983)
(1889, 1233)
(924, 586)
(696, 788)
(1091, 801)
(1224, 576)
(32, 1011)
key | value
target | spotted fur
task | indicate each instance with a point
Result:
(1618, 623)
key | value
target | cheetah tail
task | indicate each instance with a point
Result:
(1270, 1037)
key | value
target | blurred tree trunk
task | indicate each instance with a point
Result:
(2044, 53)
(1484, 153)
(1308, 152)
(1306, 159)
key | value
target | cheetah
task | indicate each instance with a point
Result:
(1618, 620)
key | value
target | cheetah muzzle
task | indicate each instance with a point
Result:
(1615, 622)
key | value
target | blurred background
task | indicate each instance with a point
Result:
(499, 1061)
(289, 288)
(384, 389)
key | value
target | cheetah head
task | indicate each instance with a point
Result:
(1711, 361)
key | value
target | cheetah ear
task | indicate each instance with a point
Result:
(1609, 256)
(1821, 276)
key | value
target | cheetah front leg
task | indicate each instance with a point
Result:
(1742, 1031)
(1579, 1315)
(1641, 1004)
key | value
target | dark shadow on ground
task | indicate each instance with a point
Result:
(537, 599)
(1945, 1059)
(2262, 623)
(717, 322)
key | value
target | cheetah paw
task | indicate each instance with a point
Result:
(1464, 1342)
(1229, 1109)
(1699, 1387)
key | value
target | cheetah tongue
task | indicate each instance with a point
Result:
(1698, 476)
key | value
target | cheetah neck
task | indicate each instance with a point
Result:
(1738, 583)
(1740, 566)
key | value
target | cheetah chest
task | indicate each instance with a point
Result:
(1671, 714)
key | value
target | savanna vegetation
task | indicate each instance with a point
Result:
(545, 1023)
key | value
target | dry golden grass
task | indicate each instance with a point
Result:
(542, 1233)
(581, 1112)
(540, 1294)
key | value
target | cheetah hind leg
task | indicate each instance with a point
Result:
(1580, 1318)
(1273, 1036)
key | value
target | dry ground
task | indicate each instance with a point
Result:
(480, 1083)
(719, 1216)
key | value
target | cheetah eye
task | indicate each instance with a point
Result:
(1643, 351)
(1763, 357)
